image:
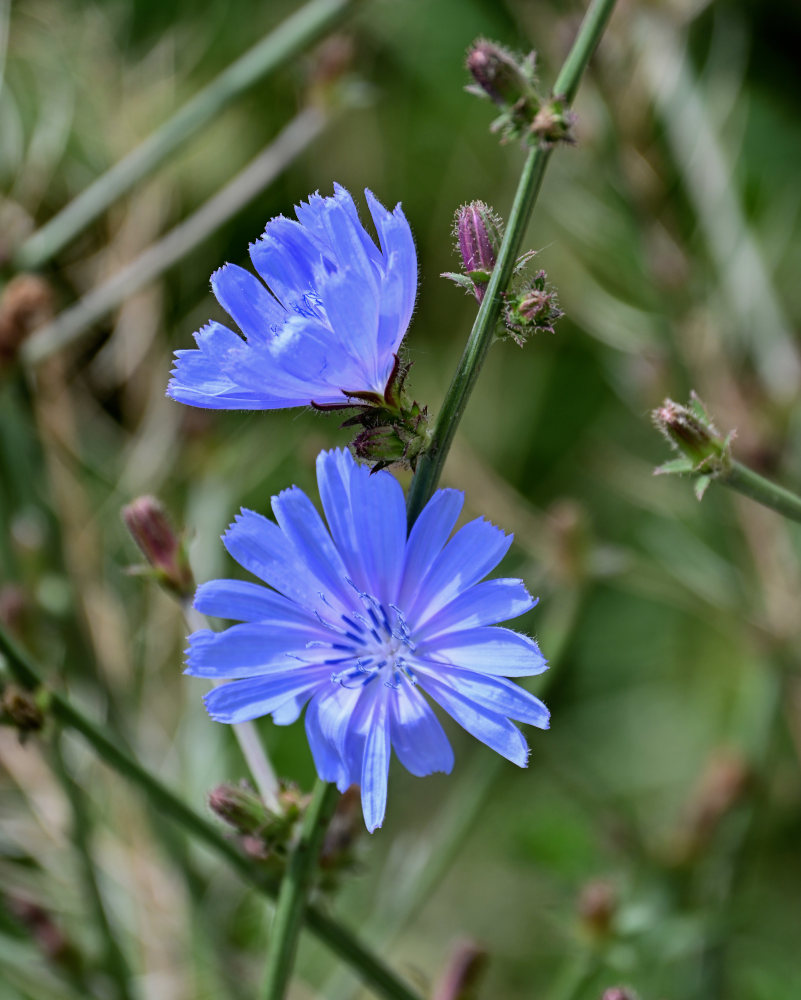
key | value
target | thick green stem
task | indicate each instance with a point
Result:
(295, 888)
(372, 970)
(290, 38)
(744, 480)
(430, 463)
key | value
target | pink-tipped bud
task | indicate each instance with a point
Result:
(147, 521)
(499, 75)
(479, 232)
(619, 993)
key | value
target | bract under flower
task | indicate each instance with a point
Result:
(336, 311)
(361, 623)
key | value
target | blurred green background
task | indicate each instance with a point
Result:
(653, 840)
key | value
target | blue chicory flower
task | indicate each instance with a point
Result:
(359, 622)
(337, 309)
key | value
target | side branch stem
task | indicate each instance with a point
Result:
(295, 887)
(430, 463)
(371, 969)
(739, 477)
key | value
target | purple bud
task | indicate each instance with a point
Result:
(147, 521)
(499, 75)
(478, 232)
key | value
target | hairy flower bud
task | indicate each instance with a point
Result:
(241, 808)
(499, 75)
(478, 233)
(689, 429)
(534, 309)
(147, 521)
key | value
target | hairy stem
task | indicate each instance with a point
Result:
(295, 888)
(431, 461)
(371, 969)
(739, 477)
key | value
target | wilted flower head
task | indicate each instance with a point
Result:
(330, 321)
(361, 621)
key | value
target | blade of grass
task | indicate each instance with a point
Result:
(289, 39)
(74, 322)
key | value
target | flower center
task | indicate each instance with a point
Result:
(372, 642)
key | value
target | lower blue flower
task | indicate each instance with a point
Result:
(361, 623)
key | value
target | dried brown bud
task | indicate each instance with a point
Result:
(597, 906)
(147, 521)
(27, 302)
(25, 710)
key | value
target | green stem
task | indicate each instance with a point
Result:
(744, 480)
(341, 941)
(290, 38)
(430, 463)
(295, 888)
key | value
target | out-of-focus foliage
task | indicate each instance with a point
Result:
(671, 231)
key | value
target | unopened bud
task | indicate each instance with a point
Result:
(147, 521)
(499, 75)
(27, 302)
(619, 993)
(689, 429)
(241, 808)
(478, 233)
(534, 309)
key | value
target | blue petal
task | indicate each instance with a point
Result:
(488, 650)
(496, 694)
(248, 699)
(417, 736)
(426, 539)
(345, 236)
(483, 604)
(493, 729)
(378, 512)
(473, 551)
(243, 601)
(352, 308)
(375, 767)
(397, 246)
(244, 651)
(303, 526)
(333, 480)
(247, 302)
(327, 722)
(260, 546)
(286, 257)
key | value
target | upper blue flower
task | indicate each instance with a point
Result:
(359, 620)
(339, 309)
